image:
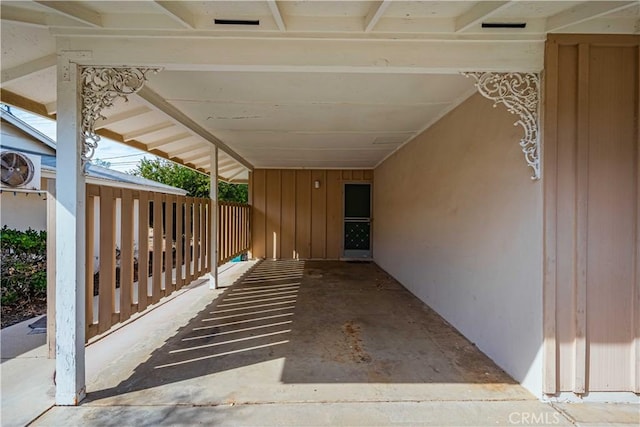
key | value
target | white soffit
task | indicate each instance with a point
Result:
(315, 84)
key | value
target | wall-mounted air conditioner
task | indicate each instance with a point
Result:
(20, 170)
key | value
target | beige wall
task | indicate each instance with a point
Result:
(292, 219)
(458, 221)
(592, 303)
(24, 210)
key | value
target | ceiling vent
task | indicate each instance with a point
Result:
(236, 21)
(504, 24)
(20, 170)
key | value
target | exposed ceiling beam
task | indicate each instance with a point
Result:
(20, 101)
(169, 140)
(227, 163)
(201, 152)
(106, 133)
(585, 12)
(234, 175)
(277, 16)
(187, 149)
(23, 16)
(120, 117)
(318, 55)
(34, 107)
(28, 68)
(146, 131)
(374, 15)
(178, 12)
(75, 11)
(51, 108)
(478, 13)
(225, 169)
(157, 102)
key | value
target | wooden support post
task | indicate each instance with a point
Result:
(213, 218)
(70, 241)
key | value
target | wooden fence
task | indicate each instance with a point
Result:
(233, 230)
(142, 246)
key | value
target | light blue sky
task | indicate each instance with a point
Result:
(122, 157)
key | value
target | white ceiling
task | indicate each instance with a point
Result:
(317, 84)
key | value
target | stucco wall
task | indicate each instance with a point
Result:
(23, 210)
(458, 221)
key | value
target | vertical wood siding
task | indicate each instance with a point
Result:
(294, 220)
(591, 173)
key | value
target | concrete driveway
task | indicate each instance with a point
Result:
(299, 343)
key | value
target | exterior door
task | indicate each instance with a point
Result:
(357, 220)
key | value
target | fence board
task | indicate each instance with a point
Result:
(179, 241)
(90, 219)
(107, 283)
(187, 238)
(126, 255)
(205, 237)
(168, 244)
(157, 248)
(143, 250)
(197, 233)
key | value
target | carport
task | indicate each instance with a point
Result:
(311, 101)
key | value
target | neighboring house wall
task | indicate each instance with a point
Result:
(12, 138)
(292, 219)
(22, 211)
(592, 304)
(458, 221)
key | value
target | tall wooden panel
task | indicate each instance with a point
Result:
(303, 214)
(273, 202)
(591, 173)
(319, 215)
(288, 217)
(258, 225)
(334, 214)
(612, 195)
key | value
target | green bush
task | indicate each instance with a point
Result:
(24, 266)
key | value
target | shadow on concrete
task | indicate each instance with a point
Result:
(20, 340)
(331, 322)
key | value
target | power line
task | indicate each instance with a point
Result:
(123, 156)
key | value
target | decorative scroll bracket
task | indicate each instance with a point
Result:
(101, 86)
(520, 93)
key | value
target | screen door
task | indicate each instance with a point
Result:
(357, 220)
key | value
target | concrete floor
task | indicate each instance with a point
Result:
(311, 331)
(304, 343)
(26, 375)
